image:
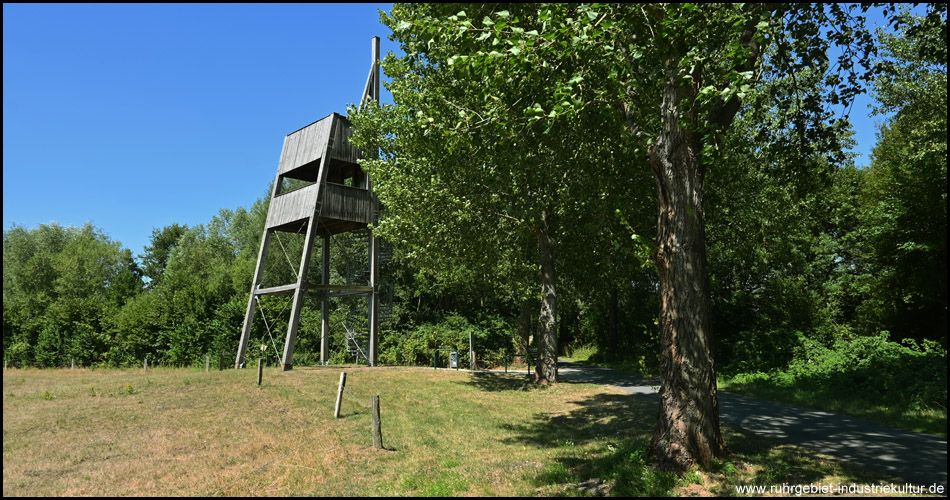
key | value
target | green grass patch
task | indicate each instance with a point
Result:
(171, 432)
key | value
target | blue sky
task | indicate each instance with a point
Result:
(134, 117)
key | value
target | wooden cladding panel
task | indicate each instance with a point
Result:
(306, 145)
(293, 206)
(342, 149)
(347, 204)
(341, 203)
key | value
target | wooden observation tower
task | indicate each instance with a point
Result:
(337, 197)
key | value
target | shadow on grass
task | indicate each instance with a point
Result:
(757, 461)
(601, 441)
(604, 440)
(499, 382)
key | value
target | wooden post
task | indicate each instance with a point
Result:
(145, 364)
(339, 395)
(73, 363)
(207, 363)
(260, 371)
(377, 432)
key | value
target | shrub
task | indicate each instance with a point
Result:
(907, 373)
(491, 337)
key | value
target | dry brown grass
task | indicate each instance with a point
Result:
(181, 432)
(190, 433)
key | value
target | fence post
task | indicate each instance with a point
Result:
(260, 371)
(145, 364)
(377, 432)
(207, 364)
(339, 395)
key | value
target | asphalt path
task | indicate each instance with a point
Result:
(912, 457)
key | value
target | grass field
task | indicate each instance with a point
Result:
(447, 433)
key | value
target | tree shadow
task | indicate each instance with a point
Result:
(601, 440)
(913, 457)
(499, 382)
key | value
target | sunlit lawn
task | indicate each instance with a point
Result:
(447, 433)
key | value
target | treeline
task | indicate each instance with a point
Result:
(72, 294)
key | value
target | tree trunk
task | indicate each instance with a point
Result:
(546, 369)
(687, 430)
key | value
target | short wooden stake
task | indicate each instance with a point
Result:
(260, 371)
(377, 432)
(207, 364)
(339, 395)
(73, 362)
(145, 364)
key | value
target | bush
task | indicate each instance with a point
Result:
(905, 375)
(909, 374)
(491, 336)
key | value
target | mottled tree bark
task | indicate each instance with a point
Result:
(687, 430)
(546, 369)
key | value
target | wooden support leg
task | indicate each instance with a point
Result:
(325, 306)
(287, 360)
(249, 314)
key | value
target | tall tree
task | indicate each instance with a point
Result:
(467, 158)
(905, 212)
(159, 250)
(675, 75)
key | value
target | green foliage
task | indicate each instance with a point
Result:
(909, 376)
(59, 285)
(490, 335)
(904, 210)
(635, 476)
(878, 369)
(156, 254)
(503, 115)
